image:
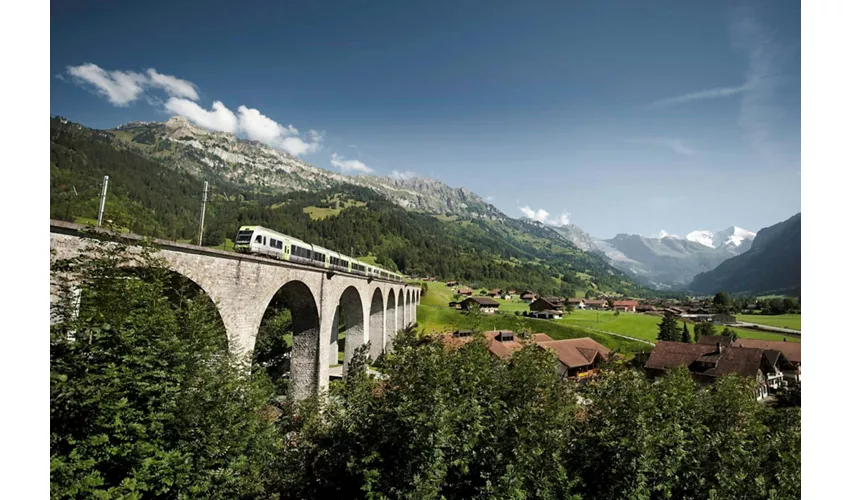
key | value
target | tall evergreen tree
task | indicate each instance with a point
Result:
(668, 329)
(686, 335)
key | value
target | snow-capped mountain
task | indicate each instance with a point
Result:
(667, 260)
(734, 237)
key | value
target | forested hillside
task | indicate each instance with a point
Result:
(149, 198)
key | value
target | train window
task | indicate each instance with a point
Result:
(244, 236)
(258, 239)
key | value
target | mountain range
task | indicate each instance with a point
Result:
(245, 171)
(666, 262)
(771, 265)
(420, 227)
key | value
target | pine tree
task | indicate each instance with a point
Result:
(686, 335)
(668, 329)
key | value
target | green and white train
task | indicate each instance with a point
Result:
(259, 240)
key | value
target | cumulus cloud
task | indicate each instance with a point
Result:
(123, 87)
(562, 220)
(174, 86)
(349, 166)
(541, 215)
(664, 234)
(220, 118)
(119, 87)
(403, 176)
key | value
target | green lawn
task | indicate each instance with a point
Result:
(433, 319)
(781, 320)
(644, 326)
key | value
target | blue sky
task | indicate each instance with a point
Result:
(621, 117)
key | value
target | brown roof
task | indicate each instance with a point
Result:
(499, 348)
(541, 337)
(483, 301)
(464, 290)
(576, 352)
(704, 360)
(715, 339)
(596, 302)
(575, 301)
(625, 303)
(791, 350)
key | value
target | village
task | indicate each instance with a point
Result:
(774, 365)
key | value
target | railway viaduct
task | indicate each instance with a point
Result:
(242, 287)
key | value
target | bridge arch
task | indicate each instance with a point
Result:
(377, 322)
(391, 319)
(296, 297)
(351, 308)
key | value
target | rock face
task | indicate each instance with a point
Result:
(772, 264)
(180, 144)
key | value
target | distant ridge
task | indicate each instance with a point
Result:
(771, 265)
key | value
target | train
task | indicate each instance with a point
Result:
(259, 240)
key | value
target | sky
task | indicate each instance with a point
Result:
(617, 116)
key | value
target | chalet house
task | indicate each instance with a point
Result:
(707, 362)
(547, 314)
(625, 305)
(465, 291)
(511, 292)
(546, 304)
(451, 283)
(675, 311)
(791, 351)
(596, 304)
(577, 303)
(578, 358)
(496, 292)
(485, 304)
(528, 296)
(645, 308)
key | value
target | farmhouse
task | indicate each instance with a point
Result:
(465, 291)
(791, 351)
(577, 303)
(596, 304)
(528, 296)
(645, 308)
(625, 305)
(707, 362)
(547, 314)
(495, 292)
(485, 305)
(546, 304)
(451, 283)
(578, 358)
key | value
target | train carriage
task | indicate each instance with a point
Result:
(259, 240)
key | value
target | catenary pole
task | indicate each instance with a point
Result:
(102, 200)
(203, 212)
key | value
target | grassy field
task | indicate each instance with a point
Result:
(644, 326)
(435, 319)
(792, 321)
(318, 213)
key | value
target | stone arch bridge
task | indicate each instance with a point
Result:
(242, 287)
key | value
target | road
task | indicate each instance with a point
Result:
(767, 328)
